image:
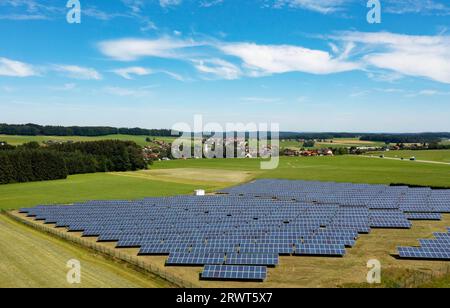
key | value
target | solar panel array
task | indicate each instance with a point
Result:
(250, 225)
(430, 249)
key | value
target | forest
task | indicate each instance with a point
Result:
(31, 162)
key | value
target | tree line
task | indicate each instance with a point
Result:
(84, 131)
(31, 162)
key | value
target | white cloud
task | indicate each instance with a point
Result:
(277, 59)
(12, 68)
(130, 92)
(384, 56)
(427, 7)
(210, 3)
(168, 3)
(418, 56)
(148, 26)
(416, 7)
(132, 49)
(218, 68)
(134, 5)
(78, 72)
(321, 6)
(135, 70)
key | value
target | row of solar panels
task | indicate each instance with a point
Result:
(332, 250)
(430, 249)
(192, 259)
(239, 230)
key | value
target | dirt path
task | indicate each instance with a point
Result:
(406, 160)
(29, 258)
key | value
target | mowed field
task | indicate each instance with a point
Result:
(99, 186)
(140, 140)
(351, 169)
(183, 176)
(428, 155)
(33, 259)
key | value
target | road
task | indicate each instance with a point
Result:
(407, 160)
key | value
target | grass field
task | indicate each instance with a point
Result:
(98, 186)
(427, 155)
(140, 140)
(184, 176)
(32, 259)
(339, 169)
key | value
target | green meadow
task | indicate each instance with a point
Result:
(427, 155)
(140, 140)
(184, 176)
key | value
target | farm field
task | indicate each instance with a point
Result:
(347, 168)
(184, 176)
(427, 155)
(140, 140)
(46, 265)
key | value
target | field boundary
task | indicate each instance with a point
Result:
(110, 253)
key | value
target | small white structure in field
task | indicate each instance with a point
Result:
(200, 192)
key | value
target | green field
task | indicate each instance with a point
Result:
(78, 188)
(353, 169)
(426, 155)
(182, 177)
(140, 140)
(33, 259)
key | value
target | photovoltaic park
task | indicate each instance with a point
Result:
(237, 233)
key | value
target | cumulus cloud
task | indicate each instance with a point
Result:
(12, 68)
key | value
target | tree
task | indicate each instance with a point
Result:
(309, 143)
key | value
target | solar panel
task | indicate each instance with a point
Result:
(195, 259)
(252, 259)
(229, 272)
(423, 253)
(424, 216)
(320, 250)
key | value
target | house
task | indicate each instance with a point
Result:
(328, 152)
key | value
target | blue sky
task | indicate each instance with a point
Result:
(308, 65)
